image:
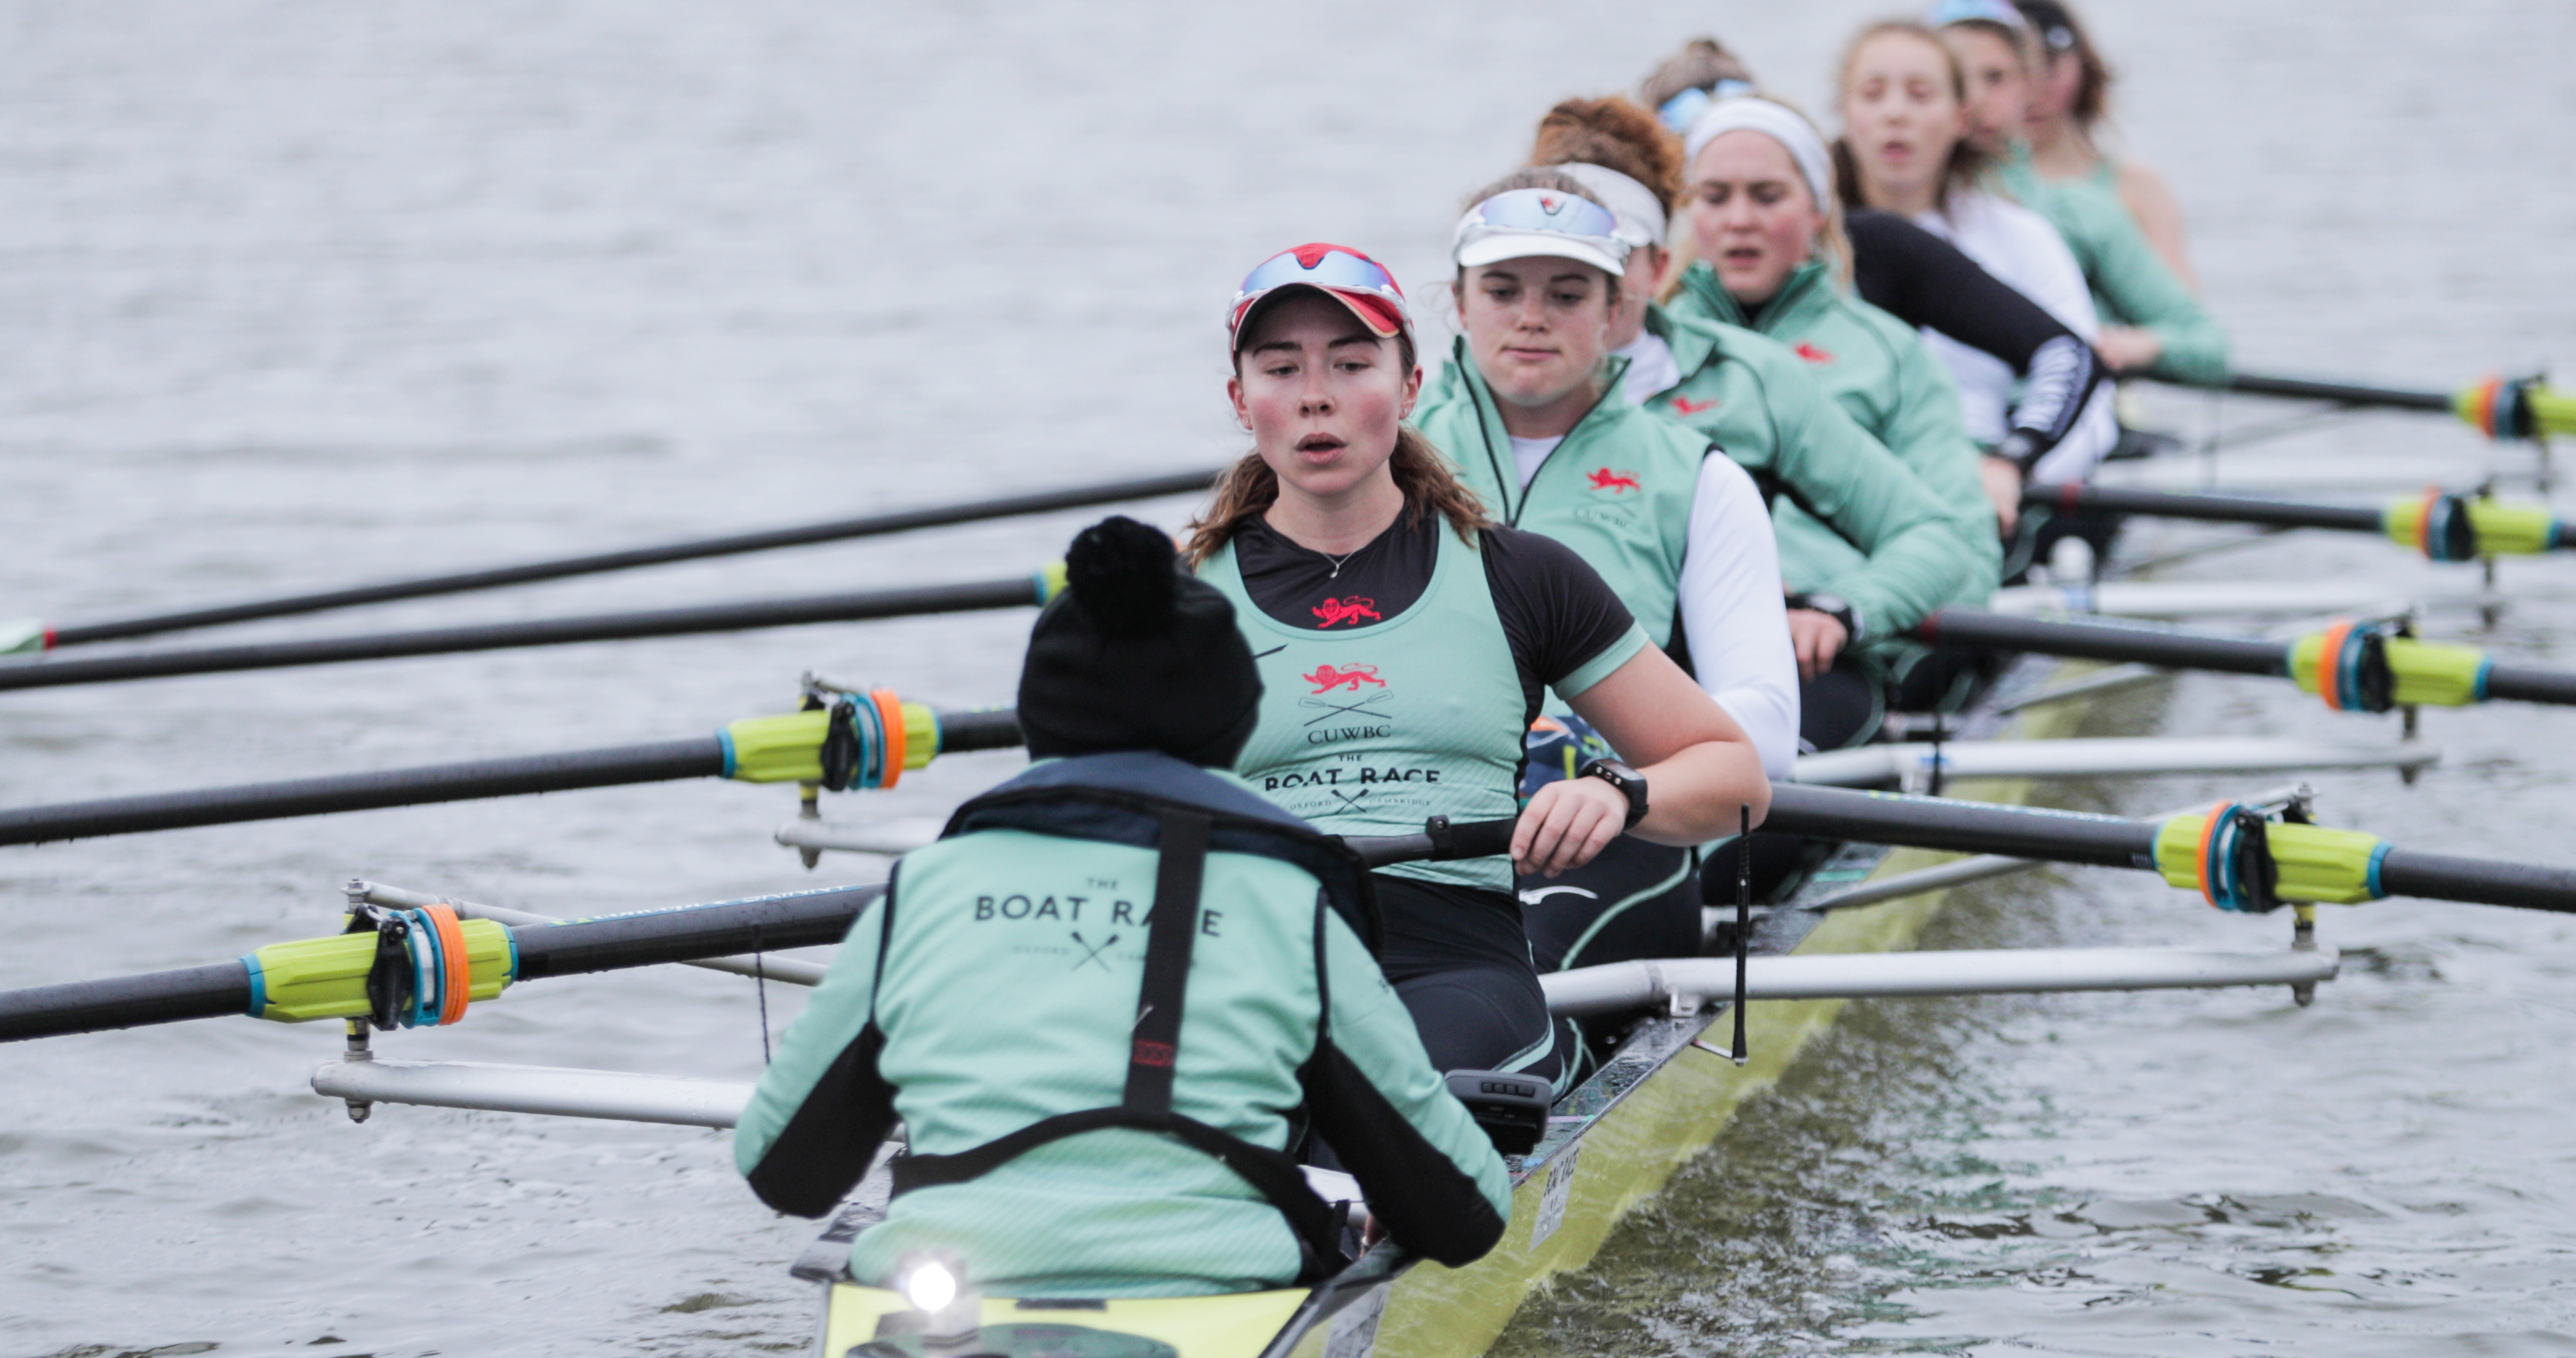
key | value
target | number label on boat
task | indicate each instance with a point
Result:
(1551, 1199)
(1355, 1329)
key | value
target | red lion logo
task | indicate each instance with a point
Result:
(1328, 677)
(1616, 483)
(1353, 610)
(1812, 354)
(1688, 406)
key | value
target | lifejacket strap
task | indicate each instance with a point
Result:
(1171, 932)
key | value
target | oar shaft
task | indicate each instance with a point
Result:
(2521, 683)
(2104, 641)
(1020, 592)
(2207, 508)
(668, 760)
(2449, 877)
(764, 924)
(210, 991)
(2342, 393)
(1961, 827)
(837, 530)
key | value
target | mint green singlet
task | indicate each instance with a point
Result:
(1375, 730)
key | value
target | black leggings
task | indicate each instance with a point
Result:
(1635, 900)
(1459, 960)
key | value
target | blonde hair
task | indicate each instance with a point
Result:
(1966, 165)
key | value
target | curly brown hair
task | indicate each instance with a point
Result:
(1616, 134)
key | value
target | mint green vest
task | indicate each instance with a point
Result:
(1374, 731)
(1617, 490)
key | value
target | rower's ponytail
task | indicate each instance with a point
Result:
(1250, 487)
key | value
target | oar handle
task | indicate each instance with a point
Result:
(1441, 841)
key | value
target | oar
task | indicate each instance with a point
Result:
(43, 637)
(2504, 408)
(2444, 527)
(324, 978)
(2229, 863)
(789, 748)
(2367, 667)
(1017, 592)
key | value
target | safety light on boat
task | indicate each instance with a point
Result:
(949, 1310)
(930, 1287)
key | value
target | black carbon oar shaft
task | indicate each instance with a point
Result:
(2207, 508)
(2480, 881)
(1021, 592)
(663, 762)
(647, 938)
(2520, 683)
(2342, 393)
(1961, 827)
(802, 919)
(668, 761)
(211, 991)
(837, 530)
(2104, 641)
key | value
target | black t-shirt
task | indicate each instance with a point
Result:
(1557, 612)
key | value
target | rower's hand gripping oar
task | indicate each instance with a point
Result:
(423, 967)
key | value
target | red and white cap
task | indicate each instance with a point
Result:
(1337, 271)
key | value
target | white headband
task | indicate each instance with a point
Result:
(1640, 212)
(1780, 123)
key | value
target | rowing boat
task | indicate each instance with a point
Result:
(1613, 1141)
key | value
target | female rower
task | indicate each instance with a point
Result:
(2107, 208)
(1906, 149)
(1529, 411)
(1766, 227)
(1759, 403)
(1404, 642)
(1925, 282)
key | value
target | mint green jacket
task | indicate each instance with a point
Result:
(2131, 285)
(1009, 982)
(1877, 369)
(1764, 406)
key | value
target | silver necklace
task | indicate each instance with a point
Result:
(1338, 560)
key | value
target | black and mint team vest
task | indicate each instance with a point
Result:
(1372, 726)
(1136, 799)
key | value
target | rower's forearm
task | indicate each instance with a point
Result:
(1698, 794)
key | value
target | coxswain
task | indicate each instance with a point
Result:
(1907, 148)
(1406, 640)
(1109, 1002)
(2106, 207)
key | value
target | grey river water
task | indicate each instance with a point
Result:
(294, 294)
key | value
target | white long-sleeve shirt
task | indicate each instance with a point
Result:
(2019, 247)
(1732, 610)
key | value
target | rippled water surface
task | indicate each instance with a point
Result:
(295, 294)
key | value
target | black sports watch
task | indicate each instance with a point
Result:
(1833, 606)
(1627, 780)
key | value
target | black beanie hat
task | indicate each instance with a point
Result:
(1137, 655)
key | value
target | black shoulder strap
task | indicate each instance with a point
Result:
(1170, 933)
